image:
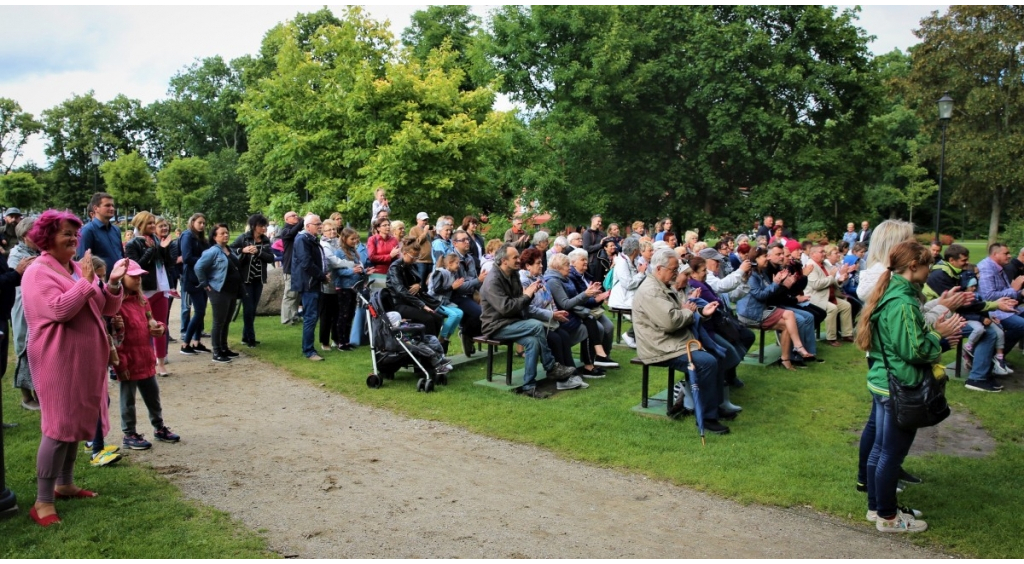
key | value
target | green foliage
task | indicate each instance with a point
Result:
(16, 127)
(974, 53)
(76, 127)
(228, 202)
(21, 190)
(458, 30)
(340, 116)
(129, 180)
(669, 110)
(184, 186)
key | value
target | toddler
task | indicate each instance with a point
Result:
(440, 284)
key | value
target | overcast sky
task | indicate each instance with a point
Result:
(50, 53)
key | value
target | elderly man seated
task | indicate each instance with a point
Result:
(663, 322)
(506, 316)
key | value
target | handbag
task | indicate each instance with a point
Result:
(920, 405)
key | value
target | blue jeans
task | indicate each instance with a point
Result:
(708, 378)
(186, 314)
(890, 448)
(194, 331)
(451, 323)
(310, 313)
(1013, 326)
(251, 294)
(805, 326)
(533, 336)
(984, 352)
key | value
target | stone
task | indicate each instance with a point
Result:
(273, 291)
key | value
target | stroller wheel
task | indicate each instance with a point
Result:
(421, 384)
(373, 381)
(429, 387)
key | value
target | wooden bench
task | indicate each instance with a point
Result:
(645, 392)
(492, 346)
(619, 314)
(760, 346)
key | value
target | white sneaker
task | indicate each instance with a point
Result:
(998, 369)
(571, 384)
(873, 515)
(630, 341)
(901, 523)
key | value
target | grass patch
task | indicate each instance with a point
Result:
(139, 514)
(794, 445)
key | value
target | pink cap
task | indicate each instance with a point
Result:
(134, 269)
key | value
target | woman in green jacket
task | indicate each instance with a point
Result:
(892, 323)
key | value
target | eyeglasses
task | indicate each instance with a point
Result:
(460, 240)
(317, 223)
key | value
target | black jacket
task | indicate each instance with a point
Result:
(287, 234)
(148, 257)
(265, 256)
(401, 277)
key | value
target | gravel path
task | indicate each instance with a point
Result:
(321, 476)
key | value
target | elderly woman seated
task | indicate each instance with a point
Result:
(564, 330)
(582, 301)
(628, 275)
(754, 311)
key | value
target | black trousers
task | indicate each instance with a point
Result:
(222, 304)
(329, 320)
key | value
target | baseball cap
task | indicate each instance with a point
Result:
(710, 254)
(13, 211)
(134, 269)
(421, 216)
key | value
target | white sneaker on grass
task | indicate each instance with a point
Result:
(998, 369)
(630, 341)
(901, 523)
(873, 515)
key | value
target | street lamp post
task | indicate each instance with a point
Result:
(945, 114)
(94, 158)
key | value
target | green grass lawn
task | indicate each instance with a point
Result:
(139, 514)
(793, 445)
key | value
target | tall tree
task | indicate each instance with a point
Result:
(674, 108)
(20, 190)
(341, 115)
(129, 180)
(184, 186)
(79, 125)
(975, 54)
(456, 24)
(16, 127)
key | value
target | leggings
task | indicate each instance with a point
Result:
(451, 323)
(161, 309)
(223, 306)
(346, 313)
(55, 466)
(329, 320)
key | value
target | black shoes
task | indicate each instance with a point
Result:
(250, 344)
(906, 477)
(713, 426)
(727, 415)
(221, 358)
(199, 347)
(228, 353)
(533, 393)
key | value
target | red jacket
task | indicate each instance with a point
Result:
(379, 250)
(135, 354)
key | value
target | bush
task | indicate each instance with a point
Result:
(817, 237)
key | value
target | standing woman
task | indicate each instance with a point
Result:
(382, 247)
(19, 327)
(153, 255)
(330, 338)
(68, 353)
(163, 232)
(192, 245)
(219, 273)
(254, 256)
(346, 278)
(892, 329)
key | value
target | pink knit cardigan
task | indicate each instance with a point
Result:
(67, 348)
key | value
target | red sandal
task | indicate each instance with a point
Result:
(43, 521)
(79, 494)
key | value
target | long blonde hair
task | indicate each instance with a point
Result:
(884, 239)
(902, 257)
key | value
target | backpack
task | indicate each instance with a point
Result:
(609, 279)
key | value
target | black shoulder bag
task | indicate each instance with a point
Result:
(921, 405)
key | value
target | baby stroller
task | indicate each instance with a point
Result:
(395, 345)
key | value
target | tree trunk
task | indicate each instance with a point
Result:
(993, 225)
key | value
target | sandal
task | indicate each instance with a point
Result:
(803, 352)
(785, 363)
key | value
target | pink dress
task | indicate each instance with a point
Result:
(67, 348)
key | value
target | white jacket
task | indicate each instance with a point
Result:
(626, 279)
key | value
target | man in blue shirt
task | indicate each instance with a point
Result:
(101, 236)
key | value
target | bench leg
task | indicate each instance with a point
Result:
(490, 362)
(618, 328)
(508, 365)
(760, 349)
(643, 394)
(671, 389)
(959, 356)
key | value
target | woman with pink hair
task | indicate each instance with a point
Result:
(68, 353)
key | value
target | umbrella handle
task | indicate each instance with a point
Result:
(689, 355)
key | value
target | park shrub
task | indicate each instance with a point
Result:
(927, 238)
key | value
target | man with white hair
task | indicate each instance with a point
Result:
(309, 271)
(662, 322)
(575, 241)
(541, 240)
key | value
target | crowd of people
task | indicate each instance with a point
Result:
(104, 300)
